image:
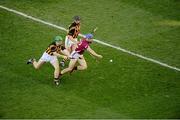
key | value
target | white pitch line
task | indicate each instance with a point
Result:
(98, 41)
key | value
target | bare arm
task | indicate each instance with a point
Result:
(65, 52)
(59, 55)
(92, 52)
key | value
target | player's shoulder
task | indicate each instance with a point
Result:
(83, 39)
(53, 44)
(72, 24)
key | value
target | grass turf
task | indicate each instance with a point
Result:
(128, 87)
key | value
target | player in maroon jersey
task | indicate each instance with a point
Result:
(77, 55)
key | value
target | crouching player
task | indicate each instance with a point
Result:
(77, 55)
(54, 50)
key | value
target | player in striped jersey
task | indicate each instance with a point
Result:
(54, 50)
(77, 55)
(73, 32)
(71, 38)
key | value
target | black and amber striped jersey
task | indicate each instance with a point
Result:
(54, 48)
(74, 29)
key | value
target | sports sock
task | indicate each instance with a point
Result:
(56, 79)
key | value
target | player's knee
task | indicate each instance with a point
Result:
(36, 67)
(70, 68)
(84, 67)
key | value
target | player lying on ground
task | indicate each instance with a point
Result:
(77, 55)
(54, 50)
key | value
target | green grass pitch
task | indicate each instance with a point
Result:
(128, 87)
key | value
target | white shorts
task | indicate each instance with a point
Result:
(75, 55)
(48, 58)
(68, 42)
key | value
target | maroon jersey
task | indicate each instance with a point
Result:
(82, 46)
